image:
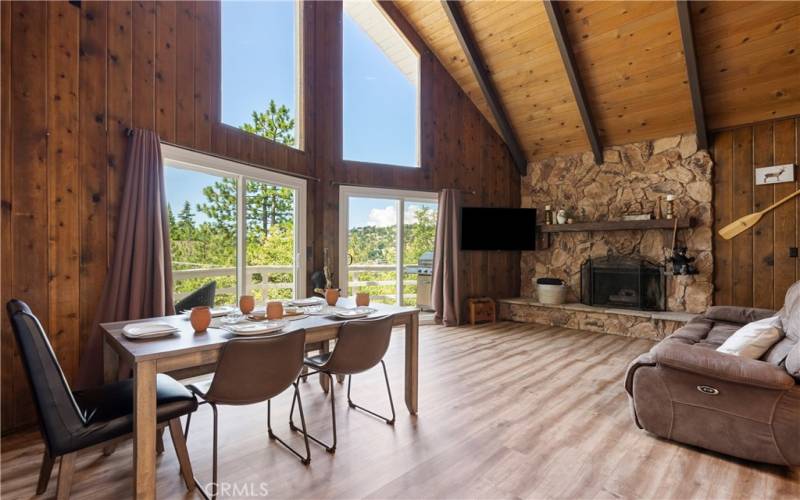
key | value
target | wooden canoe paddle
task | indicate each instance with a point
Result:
(743, 223)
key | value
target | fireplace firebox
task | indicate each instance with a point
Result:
(623, 282)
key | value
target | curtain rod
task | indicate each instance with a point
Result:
(423, 190)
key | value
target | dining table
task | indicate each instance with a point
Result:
(185, 349)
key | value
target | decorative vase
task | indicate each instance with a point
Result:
(561, 216)
(200, 318)
(362, 299)
(274, 310)
(247, 303)
(331, 296)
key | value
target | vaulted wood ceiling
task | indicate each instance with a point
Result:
(631, 62)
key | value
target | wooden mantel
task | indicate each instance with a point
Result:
(546, 230)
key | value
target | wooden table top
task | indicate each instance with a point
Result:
(186, 340)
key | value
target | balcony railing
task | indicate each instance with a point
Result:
(265, 285)
(230, 272)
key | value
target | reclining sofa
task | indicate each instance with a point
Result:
(683, 389)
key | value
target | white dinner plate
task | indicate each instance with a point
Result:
(311, 301)
(358, 312)
(148, 330)
(257, 328)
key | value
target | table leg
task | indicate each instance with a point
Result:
(412, 363)
(144, 429)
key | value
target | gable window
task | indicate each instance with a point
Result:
(380, 89)
(261, 68)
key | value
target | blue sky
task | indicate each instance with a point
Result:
(259, 63)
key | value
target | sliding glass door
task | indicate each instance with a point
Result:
(386, 240)
(237, 225)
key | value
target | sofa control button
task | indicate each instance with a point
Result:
(707, 389)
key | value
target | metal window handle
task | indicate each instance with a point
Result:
(707, 389)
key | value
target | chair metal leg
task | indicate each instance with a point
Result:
(331, 448)
(304, 459)
(160, 441)
(45, 472)
(389, 421)
(214, 484)
(65, 472)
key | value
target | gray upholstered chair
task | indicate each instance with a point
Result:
(252, 370)
(687, 391)
(203, 296)
(360, 346)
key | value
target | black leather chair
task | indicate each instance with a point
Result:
(203, 296)
(71, 421)
(360, 346)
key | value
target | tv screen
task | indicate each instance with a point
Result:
(498, 228)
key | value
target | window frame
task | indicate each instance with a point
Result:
(299, 75)
(403, 196)
(418, 102)
(215, 165)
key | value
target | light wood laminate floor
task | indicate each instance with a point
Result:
(507, 410)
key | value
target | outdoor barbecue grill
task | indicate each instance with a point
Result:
(424, 272)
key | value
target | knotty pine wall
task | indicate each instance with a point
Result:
(74, 78)
(754, 269)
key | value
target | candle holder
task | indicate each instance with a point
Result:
(668, 213)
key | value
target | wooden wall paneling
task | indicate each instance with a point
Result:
(29, 199)
(165, 75)
(786, 217)
(184, 73)
(204, 84)
(144, 52)
(94, 175)
(63, 29)
(743, 205)
(6, 244)
(763, 196)
(722, 151)
(119, 94)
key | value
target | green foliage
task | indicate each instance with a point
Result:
(275, 123)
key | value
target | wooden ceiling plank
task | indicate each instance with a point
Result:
(562, 40)
(687, 38)
(456, 16)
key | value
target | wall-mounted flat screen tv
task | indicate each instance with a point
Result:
(498, 228)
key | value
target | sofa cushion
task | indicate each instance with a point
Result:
(734, 314)
(790, 314)
(792, 363)
(754, 339)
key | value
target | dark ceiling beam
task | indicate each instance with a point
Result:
(578, 91)
(690, 56)
(455, 14)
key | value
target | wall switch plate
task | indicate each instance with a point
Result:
(793, 252)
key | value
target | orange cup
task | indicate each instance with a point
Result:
(274, 310)
(247, 303)
(362, 299)
(200, 318)
(332, 296)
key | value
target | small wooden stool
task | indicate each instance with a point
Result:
(481, 309)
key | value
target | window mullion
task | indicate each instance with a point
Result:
(399, 265)
(241, 236)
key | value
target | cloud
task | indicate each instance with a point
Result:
(385, 217)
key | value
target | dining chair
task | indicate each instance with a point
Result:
(360, 345)
(72, 421)
(249, 371)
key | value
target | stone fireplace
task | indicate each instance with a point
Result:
(623, 282)
(631, 179)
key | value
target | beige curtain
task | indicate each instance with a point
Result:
(446, 286)
(139, 282)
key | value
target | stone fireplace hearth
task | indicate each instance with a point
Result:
(623, 282)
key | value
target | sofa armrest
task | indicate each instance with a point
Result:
(703, 361)
(735, 314)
